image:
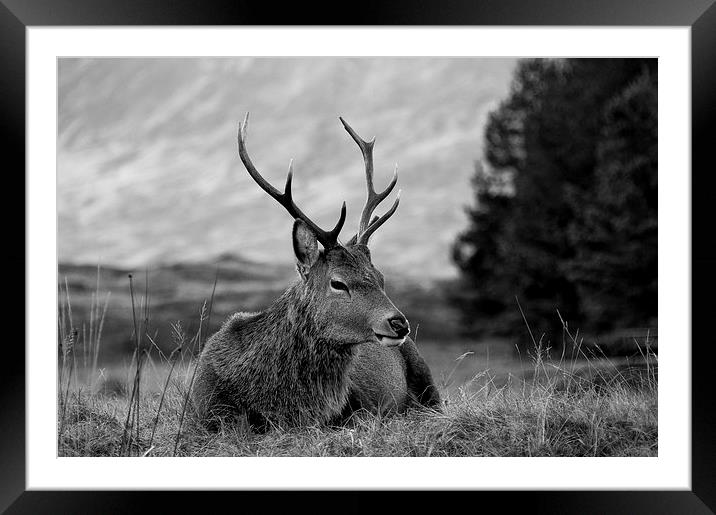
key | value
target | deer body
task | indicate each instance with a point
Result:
(389, 379)
(331, 344)
(273, 366)
(236, 379)
(378, 379)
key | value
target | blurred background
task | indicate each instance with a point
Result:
(528, 209)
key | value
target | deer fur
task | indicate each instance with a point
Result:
(331, 344)
(274, 366)
(287, 366)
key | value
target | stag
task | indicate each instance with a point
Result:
(331, 344)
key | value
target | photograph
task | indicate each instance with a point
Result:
(359, 256)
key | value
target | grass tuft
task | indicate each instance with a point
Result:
(544, 421)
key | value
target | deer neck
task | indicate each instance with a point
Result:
(295, 316)
(299, 341)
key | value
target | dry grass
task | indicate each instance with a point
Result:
(542, 420)
(576, 405)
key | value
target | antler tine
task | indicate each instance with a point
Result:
(354, 239)
(378, 221)
(327, 238)
(374, 198)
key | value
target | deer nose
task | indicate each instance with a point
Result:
(400, 325)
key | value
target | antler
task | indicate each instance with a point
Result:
(327, 238)
(367, 226)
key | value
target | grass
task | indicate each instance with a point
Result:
(505, 422)
(573, 405)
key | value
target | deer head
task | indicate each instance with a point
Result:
(347, 291)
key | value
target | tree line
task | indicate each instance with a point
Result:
(564, 219)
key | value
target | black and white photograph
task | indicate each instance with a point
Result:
(357, 256)
(277, 255)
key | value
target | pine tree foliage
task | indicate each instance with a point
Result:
(565, 211)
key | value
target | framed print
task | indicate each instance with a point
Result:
(232, 311)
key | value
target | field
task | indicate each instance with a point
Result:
(544, 416)
(498, 401)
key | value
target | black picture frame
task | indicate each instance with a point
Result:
(700, 15)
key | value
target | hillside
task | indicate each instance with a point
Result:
(177, 292)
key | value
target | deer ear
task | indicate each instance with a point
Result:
(305, 246)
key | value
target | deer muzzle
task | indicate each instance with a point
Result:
(393, 330)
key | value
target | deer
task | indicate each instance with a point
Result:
(331, 345)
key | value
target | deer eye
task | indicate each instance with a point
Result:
(339, 285)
